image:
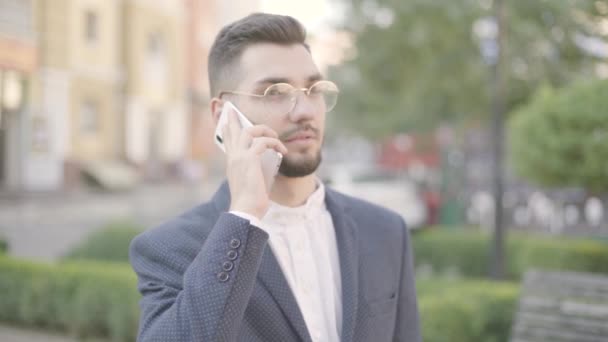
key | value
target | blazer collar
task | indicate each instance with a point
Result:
(348, 251)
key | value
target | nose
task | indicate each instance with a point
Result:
(304, 109)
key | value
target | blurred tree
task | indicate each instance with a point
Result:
(416, 63)
(561, 137)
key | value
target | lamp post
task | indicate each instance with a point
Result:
(489, 31)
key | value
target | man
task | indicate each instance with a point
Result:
(299, 262)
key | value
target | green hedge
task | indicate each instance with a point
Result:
(466, 310)
(467, 252)
(92, 299)
(111, 243)
(83, 299)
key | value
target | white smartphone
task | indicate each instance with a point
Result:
(271, 159)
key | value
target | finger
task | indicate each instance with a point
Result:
(263, 131)
(257, 131)
(260, 145)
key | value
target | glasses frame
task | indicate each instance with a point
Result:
(304, 90)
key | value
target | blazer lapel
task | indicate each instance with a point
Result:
(271, 276)
(348, 251)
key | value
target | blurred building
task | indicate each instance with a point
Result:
(204, 20)
(77, 112)
(112, 89)
(201, 29)
(109, 91)
(18, 60)
(154, 51)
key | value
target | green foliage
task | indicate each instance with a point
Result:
(3, 246)
(92, 299)
(453, 252)
(561, 137)
(466, 310)
(110, 243)
(417, 62)
(466, 252)
(84, 299)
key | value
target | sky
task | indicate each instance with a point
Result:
(319, 17)
(316, 15)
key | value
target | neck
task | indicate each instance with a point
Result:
(292, 192)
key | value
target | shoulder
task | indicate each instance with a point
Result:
(367, 214)
(380, 232)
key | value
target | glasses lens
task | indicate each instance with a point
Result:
(325, 94)
(279, 99)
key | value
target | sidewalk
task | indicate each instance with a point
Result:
(45, 227)
(10, 334)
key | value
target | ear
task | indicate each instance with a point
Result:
(216, 109)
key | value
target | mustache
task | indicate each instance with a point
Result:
(298, 129)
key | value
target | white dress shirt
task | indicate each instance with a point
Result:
(304, 242)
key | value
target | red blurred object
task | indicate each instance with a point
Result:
(432, 200)
(403, 151)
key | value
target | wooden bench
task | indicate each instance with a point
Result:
(562, 306)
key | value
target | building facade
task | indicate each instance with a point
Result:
(120, 83)
(18, 64)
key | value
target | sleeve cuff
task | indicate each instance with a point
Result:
(254, 221)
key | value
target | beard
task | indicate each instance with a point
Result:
(300, 167)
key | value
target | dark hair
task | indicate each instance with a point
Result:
(234, 38)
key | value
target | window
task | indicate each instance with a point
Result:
(156, 59)
(89, 117)
(91, 26)
(155, 45)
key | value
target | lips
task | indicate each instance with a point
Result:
(301, 136)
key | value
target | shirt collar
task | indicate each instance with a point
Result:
(283, 214)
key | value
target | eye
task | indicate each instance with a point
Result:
(316, 90)
(273, 92)
(278, 90)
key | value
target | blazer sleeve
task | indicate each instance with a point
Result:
(407, 327)
(207, 301)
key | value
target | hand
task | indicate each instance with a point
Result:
(244, 149)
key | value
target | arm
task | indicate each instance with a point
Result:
(204, 304)
(207, 301)
(408, 323)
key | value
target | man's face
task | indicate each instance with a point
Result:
(301, 129)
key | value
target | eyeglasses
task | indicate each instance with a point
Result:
(281, 98)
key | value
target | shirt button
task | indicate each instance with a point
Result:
(228, 266)
(232, 255)
(223, 277)
(235, 243)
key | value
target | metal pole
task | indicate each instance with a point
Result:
(498, 108)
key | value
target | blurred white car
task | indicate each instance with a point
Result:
(383, 188)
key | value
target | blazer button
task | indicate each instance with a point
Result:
(235, 243)
(228, 266)
(232, 254)
(223, 277)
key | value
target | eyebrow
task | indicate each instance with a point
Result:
(273, 80)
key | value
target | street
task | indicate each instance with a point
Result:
(45, 227)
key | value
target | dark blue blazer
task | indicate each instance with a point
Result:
(208, 275)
